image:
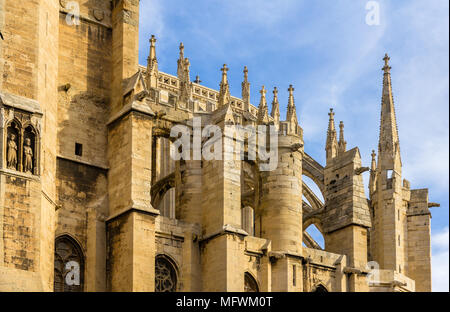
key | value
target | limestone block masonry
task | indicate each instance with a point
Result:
(91, 199)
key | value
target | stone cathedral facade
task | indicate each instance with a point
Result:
(90, 199)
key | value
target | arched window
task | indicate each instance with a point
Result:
(13, 146)
(250, 284)
(69, 265)
(320, 289)
(165, 275)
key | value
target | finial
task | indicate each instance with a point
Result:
(263, 91)
(275, 93)
(341, 125)
(331, 113)
(224, 69)
(386, 67)
(291, 90)
(373, 154)
(197, 79)
(181, 46)
(152, 41)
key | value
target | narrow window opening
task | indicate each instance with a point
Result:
(294, 275)
(78, 149)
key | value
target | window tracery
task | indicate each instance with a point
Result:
(165, 275)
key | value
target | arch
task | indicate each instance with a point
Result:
(68, 265)
(311, 197)
(250, 283)
(320, 288)
(12, 142)
(313, 237)
(30, 143)
(313, 170)
(160, 188)
(166, 274)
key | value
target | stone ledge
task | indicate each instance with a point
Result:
(144, 210)
(22, 103)
(131, 107)
(226, 229)
(18, 174)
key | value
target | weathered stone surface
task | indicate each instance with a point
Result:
(96, 170)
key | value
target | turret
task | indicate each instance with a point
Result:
(224, 92)
(246, 90)
(152, 65)
(291, 115)
(331, 146)
(275, 108)
(342, 144)
(263, 115)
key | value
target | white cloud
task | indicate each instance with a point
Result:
(440, 260)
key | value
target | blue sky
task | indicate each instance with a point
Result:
(333, 59)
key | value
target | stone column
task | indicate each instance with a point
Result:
(280, 214)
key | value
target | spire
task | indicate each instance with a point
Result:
(181, 62)
(263, 115)
(373, 173)
(373, 166)
(246, 90)
(291, 111)
(331, 146)
(224, 93)
(389, 145)
(291, 116)
(275, 107)
(342, 143)
(185, 83)
(152, 65)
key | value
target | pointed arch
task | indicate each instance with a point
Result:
(250, 283)
(68, 265)
(166, 274)
(320, 288)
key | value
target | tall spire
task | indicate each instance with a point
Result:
(224, 92)
(275, 107)
(389, 145)
(181, 62)
(373, 173)
(291, 111)
(331, 146)
(152, 65)
(263, 115)
(246, 90)
(342, 143)
(291, 115)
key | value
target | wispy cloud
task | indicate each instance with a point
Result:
(334, 59)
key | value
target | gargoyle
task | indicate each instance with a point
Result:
(160, 114)
(295, 147)
(361, 170)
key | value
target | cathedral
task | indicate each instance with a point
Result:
(91, 198)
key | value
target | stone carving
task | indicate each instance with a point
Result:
(295, 147)
(99, 15)
(69, 265)
(22, 142)
(165, 275)
(28, 156)
(12, 152)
